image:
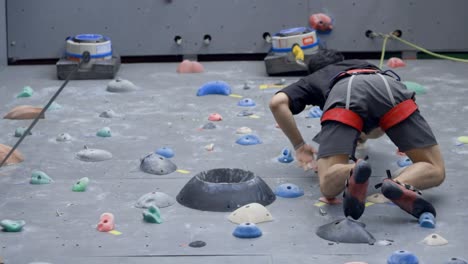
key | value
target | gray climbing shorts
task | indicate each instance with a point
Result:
(370, 100)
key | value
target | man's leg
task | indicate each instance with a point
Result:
(333, 172)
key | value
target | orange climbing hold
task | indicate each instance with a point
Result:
(188, 66)
(24, 112)
(16, 157)
(395, 63)
(106, 222)
(321, 22)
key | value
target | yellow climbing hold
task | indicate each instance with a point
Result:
(254, 116)
(236, 95)
(266, 86)
(183, 171)
(463, 139)
(369, 204)
(319, 204)
(115, 232)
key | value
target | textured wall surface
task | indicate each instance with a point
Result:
(37, 29)
(3, 40)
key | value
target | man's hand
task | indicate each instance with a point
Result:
(305, 156)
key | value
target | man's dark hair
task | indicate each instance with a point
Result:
(322, 58)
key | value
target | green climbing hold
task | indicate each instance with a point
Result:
(104, 132)
(463, 139)
(19, 132)
(40, 177)
(152, 215)
(81, 185)
(12, 225)
(415, 87)
(27, 92)
(54, 106)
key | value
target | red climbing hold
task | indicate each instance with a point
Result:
(215, 117)
(395, 63)
(321, 22)
(188, 66)
(106, 222)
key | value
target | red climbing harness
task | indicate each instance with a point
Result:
(394, 116)
(397, 114)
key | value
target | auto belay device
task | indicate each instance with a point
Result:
(290, 50)
(104, 63)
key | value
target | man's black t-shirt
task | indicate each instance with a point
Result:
(314, 88)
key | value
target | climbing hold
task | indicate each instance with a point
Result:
(108, 114)
(224, 190)
(395, 63)
(215, 87)
(246, 86)
(54, 106)
(26, 92)
(456, 261)
(246, 102)
(333, 200)
(80, 186)
(243, 130)
(404, 162)
(245, 113)
(24, 112)
(197, 244)
(282, 81)
(12, 225)
(63, 137)
(14, 158)
(215, 117)
(315, 112)
(20, 131)
(345, 231)
(463, 139)
(247, 230)
(156, 164)
(187, 66)
(377, 198)
(384, 242)
(209, 125)
(120, 86)
(93, 155)
(252, 213)
(289, 190)
(165, 152)
(402, 257)
(152, 215)
(415, 87)
(156, 199)
(435, 240)
(209, 147)
(40, 177)
(285, 156)
(106, 222)
(427, 220)
(249, 139)
(321, 22)
(104, 132)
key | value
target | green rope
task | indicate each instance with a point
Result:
(382, 55)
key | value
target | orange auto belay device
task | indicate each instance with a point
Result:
(398, 113)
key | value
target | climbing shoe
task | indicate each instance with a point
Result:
(406, 197)
(354, 196)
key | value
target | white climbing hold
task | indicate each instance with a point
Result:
(435, 240)
(251, 213)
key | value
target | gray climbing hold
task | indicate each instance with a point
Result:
(345, 231)
(19, 132)
(158, 199)
(156, 164)
(108, 114)
(197, 244)
(92, 155)
(120, 86)
(63, 137)
(209, 125)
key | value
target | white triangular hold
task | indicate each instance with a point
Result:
(251, 213)
(435, 240)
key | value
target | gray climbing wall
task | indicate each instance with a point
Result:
(37, 29)
(3, 40)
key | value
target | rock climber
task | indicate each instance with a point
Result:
(360, 101)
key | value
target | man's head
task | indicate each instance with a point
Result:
(322, 58)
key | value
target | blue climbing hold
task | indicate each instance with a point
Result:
(455, 261)
(165, 152)
(215, 87)
(403, 162)
(427, 220)
(315, 112)
(247, 230)
(249, 140)
(402, 257)
(289, 190)
(246, 102)
(285, 156)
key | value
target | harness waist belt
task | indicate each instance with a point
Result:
(397, 114)
(344, 116)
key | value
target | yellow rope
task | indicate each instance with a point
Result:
(383, 51)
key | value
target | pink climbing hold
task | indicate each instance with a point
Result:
(330, 200)
(187, 66)
(106, 222)
(395, 63)
(215, 117)
(321, 22)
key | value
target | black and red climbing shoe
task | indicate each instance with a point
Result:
(406, 197)
(354, 196)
